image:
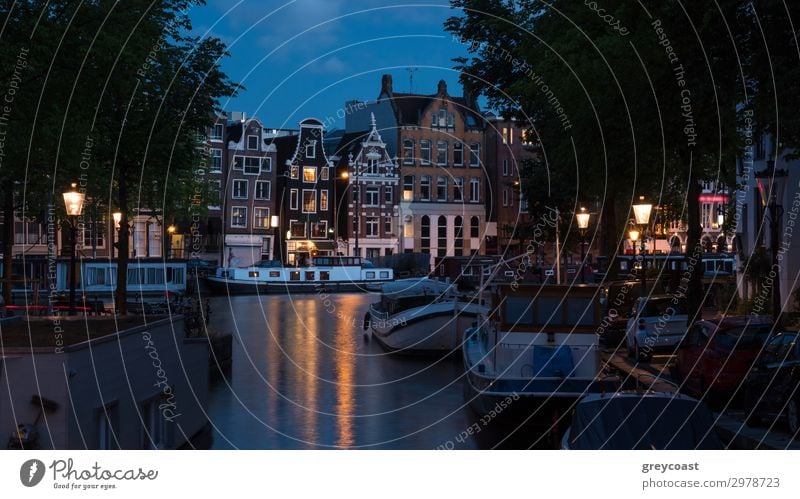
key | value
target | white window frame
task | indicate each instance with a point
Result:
(439, 185)
(323, 196)
(439, 144)
(372, 222)
(458, 191)
(312, 144)
(505, 196)
(216, 154)
(475, 152)
(458, 152)
(234, 208)
(324, 175)
(408, 159)
(294, 197)
(256, 210)
(266, 164)
(324, 231)
(218, 137)
(249, 137)
(314, 192)
(505, 167)
(375, 192)
(388, 194)
(422, 183)
(239, 181)
(269, 190)
(219, 194)
(251, 159)
(310, 168)
(422, 159)
(474, 190)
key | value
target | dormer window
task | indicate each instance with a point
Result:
(311, 150)
(443, 119)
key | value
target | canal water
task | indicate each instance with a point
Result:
(305, 376)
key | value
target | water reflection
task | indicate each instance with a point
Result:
(305, 376)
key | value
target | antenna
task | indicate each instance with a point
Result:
(411, 72)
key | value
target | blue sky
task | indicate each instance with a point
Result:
(307, 58)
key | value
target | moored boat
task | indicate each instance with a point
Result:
(537, 347)
(422, 316)
(326, 273)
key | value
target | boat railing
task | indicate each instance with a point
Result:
(380, 314)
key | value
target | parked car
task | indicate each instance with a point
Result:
(656, 323)
(772, 389)
(641, 420)
(716, 355)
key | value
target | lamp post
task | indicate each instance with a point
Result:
(274, 222)
(771, 197)
(641, 215)
(168, 244)
(583, 224)
(73, 201)
(633, 234)
(357, 217)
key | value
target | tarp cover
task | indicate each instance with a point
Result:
(643, 422)
(552, 361)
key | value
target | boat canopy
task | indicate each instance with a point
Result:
(631, 421)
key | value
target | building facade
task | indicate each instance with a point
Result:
(440, 144)
(305, 194)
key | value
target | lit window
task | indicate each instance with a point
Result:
(294, 172)
(408, 188)
(261, 218)
(309, 201)
(323, 200)
(239, 216)
(310, 174)
(324, 173)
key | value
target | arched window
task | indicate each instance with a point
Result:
(458, 245)
(425, 234)
(442, 232)
(474, 227)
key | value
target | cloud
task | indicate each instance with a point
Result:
(331, 65)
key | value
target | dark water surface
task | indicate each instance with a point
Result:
(305, 376)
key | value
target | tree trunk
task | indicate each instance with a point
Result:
(694, 250)
(610, 238)
(8, 242)
(121, 296)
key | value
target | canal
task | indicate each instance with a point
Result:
(305, 376)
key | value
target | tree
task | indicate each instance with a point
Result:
(649, 97)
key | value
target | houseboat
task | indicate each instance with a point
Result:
(538, 347)
(422, 316)
(326, 273)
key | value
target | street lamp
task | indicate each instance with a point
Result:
(641, 215)
(73, 201)
(357, 191)
(583, 224)
(633, 234)
(117, 216)
(274, 222)
(771, 197)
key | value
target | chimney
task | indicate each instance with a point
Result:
(442, 88)
(386, 85)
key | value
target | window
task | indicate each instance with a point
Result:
(263, 190)
(216, 161)
(441, 189)
(408, 188)
(458, 243)
(387, 225)
(319, 230)
(311, 150)
(107, 423)
(295, 172)
(239, 216)
(154, 431)
(298, 229)
(408, 152)
(237, 163)
(441, 152)
(458, 154)
(388, 192)
(372, 167)
(474, 227)
(425, 151)
(252, 166)
(474, 190)
(324, 173)
(240, 189)
(505, 167)
(505, 196)
(266, 164)
(441, 228)
(309, 201)
(252, 142)
(508, 135)
(372, 253)
(310, 174)
(425, 188)
(216, 132)
(705, 216)
(214, 193)
(425, 234)
(442, 119)
(293, 199)
(475, 155)
(458, 190)
(324, 275)
(261, 218)
(373, 196)
(294, 275)
(323, 200)
(372, 227)
(93, 234)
